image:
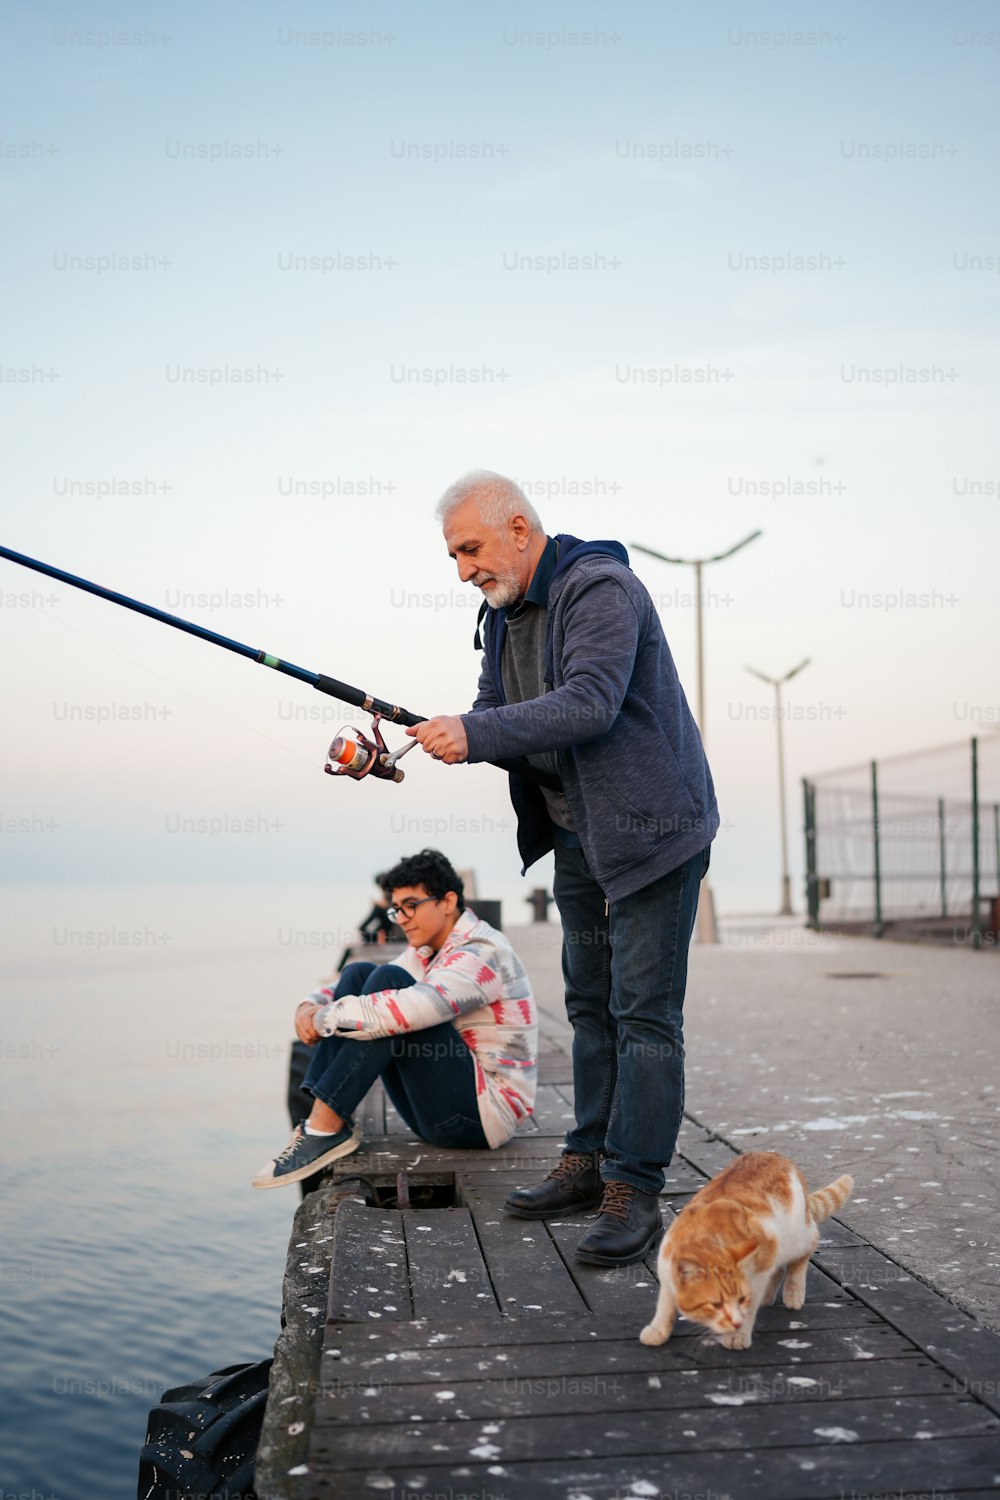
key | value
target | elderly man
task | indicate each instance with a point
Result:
(578, 678)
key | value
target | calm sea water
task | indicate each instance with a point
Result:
(145, 1037)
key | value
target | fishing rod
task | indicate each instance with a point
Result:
(352, 754)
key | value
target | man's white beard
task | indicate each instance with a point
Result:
(506, 590)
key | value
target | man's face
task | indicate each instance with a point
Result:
(425, 921)
(495, 561)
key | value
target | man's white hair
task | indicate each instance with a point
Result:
(499, 499)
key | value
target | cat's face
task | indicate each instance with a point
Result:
(712, 1290)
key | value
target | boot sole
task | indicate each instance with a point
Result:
(334, 1154)
(555, 1213)
(595, 1258)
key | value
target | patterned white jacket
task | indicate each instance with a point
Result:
(477, 982)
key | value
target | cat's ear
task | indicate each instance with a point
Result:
(744, 1250)
(687, 1270)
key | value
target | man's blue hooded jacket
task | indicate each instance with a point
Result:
(629, 753)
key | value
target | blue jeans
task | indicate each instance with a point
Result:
(625, 973)
(429, 1075)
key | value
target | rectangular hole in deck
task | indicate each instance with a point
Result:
(403, 1189)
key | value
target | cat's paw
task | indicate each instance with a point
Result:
(653, 1335)
(794, 1294)
(739, 1340)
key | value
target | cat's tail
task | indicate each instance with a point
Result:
(827, 1200)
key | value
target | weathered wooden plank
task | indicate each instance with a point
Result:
(554, 1026)
(368, 1277)
(527, 1271)
(839, 1310)
(556, 1067)
(520, 1163)
(832, 1232)
(448, 1276)
(424, 1356)
(966, 1349)
(691, 1429)
(390, 1153)
(552, 1115)
(705, 1152)
(837, 1471)
(383, 1155)
(495, 1183)
(813, 1334)
(499, 1176)
(627, 1292)
(681, 1179)
(593, 1389)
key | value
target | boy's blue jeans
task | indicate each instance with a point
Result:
(429, 1075)
(625, 974)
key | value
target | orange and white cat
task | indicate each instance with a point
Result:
(728, 1250)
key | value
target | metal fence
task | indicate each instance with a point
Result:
(908, 845)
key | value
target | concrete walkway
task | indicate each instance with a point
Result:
(894, 1078)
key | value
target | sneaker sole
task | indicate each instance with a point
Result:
(595, 1258)
(334, 1154)
(555, 1213)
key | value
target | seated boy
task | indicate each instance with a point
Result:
(450, 1029)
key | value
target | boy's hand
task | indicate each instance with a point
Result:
(304, 1028)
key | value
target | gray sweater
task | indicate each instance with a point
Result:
(523, 672)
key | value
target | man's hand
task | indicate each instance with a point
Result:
(443, 737)
(304, 1028)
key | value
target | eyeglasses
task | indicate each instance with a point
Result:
(407, 908)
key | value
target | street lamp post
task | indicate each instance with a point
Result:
(707, 929)
(777, 683)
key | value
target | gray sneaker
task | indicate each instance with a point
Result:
(304, 1155)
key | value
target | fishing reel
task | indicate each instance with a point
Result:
(354, 754)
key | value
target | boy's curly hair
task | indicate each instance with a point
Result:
(430, 869)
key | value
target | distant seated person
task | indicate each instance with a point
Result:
(450, 1029)
(377, 926)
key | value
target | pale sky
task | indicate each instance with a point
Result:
(715, 268)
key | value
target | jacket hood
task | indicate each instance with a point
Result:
(572, 550)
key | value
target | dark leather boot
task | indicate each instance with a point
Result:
(626, 1229)
(573, 1185)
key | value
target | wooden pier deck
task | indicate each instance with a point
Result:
(463, 1352)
